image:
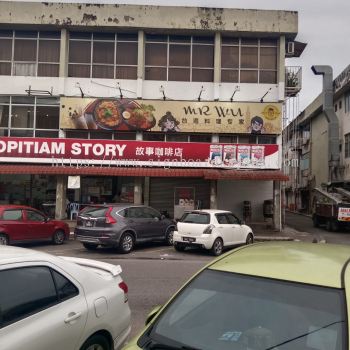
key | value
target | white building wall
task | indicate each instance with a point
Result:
(16, 85)
(231, 195)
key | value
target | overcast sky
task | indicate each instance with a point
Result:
(323, 24)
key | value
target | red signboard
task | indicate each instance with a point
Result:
(137, 153)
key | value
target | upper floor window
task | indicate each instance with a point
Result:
(248, 60)
(347, 103)
(179, 58)
(103, 55)
(29, 53)
(347, 146)
(26, 116)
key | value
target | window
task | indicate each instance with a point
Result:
(199, 315)
(26, 291)
(232, 219)
(347, 103)
(12, 215)
(152, 136)
(340, 104)
(196, 218)
(151, 213)
(29, 53)
(335, 107)
(347, 146)
(65, 288)
(179, 58)
(222, 219)
(24, 116)
(35, 216)
(200, 138)
(249, 60)
(103, 55)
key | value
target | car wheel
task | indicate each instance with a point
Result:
(4, 240)
(331, 225)
(126, 243)
(58, 237)
(90, 246)
(217, 247)
(96, 342)
(250, 239)
(179, 247)
(169, 237)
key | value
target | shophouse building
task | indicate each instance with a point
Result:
(174, 107)
(306, 148)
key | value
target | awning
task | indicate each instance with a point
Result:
(208, 174)
(262, 175)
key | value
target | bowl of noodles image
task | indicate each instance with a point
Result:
(138, 116)
(108, 114)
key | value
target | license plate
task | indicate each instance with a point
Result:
(188, 239)
(88, 224)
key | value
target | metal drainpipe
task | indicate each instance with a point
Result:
(333, 122)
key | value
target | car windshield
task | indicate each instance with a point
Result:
(196, 218)
(226, 311)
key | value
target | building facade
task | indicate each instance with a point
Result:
(306, 148)
(175, 107)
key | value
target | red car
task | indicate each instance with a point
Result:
(19, 224)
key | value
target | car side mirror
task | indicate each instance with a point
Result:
(162, 217)
(151, 315)
(46, 219)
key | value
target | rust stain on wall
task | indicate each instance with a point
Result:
(129, 18)
(87, 18)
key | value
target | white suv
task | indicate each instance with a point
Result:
(54, 303)
(211, 229)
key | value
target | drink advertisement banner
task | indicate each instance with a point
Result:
(170, 116)
(82, 152)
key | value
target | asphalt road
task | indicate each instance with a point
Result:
(154, 272)
(304, 224)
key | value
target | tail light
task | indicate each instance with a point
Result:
(208, 229)
(109, 218)
(124, 287)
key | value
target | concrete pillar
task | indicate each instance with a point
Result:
(138, 190)
(277, 212)
(217, 66)
(61, 189)
(140, 63)
(281, 62)
(213, 194)
(63, 71)
(146, 191)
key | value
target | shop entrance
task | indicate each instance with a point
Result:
(103, 189)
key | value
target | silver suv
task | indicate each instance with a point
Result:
(122, 226)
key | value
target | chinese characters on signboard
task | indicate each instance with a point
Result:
(76, 152)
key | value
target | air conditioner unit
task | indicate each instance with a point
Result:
(290, 47)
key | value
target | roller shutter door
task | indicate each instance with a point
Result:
(162, 192)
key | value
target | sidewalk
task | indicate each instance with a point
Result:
(263, 231)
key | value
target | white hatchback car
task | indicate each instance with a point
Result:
(211, 229)
(55, 303)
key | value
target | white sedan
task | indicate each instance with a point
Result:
(211, 229)
(55, 303)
